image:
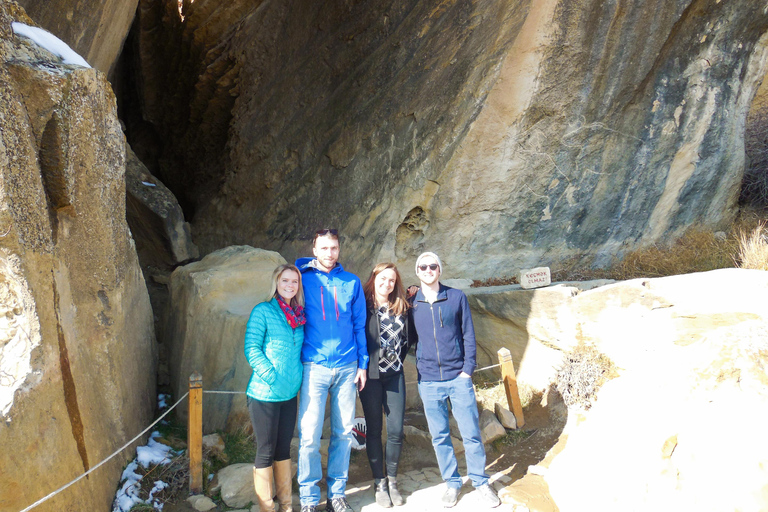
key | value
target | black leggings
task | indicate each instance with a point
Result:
(273, 425)
(387, 394)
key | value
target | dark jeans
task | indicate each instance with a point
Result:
(387, 394)
(273, 425)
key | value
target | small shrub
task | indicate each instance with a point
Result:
(583, 371)
(240, 447)
(753, 248)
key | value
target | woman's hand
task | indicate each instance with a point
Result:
(360, 378)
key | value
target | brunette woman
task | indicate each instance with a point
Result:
(273, 339)
(387, 335)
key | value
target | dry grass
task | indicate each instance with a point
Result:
(583, 371)
(753, 248)
(489, 393)
(698, 250)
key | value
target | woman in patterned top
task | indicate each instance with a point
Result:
(386, 331)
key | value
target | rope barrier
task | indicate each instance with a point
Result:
(97, 466)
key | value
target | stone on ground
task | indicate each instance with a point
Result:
(236, 482)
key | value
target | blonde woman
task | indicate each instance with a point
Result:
(273, 340)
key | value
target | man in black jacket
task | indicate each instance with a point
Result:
(445, 360)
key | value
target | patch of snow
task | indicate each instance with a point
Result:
(153, 453)
(50, 42)
(148, 184)
(128, 495)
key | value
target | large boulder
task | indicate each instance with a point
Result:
(157, 223)
(77, 347)
(681, 426)
(209, 306)
(539, 326)
(502, 135)
(95, 29)
(535, 325)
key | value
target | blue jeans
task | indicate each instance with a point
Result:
(435, 395)
(318, 383)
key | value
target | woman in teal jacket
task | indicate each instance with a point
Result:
(273, 340)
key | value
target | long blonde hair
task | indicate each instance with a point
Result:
(298, 299)
(398, 303)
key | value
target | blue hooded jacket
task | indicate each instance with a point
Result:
(335, 307)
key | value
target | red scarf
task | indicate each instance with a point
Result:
(295, 316)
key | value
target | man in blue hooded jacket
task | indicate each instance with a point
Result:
(335, 358)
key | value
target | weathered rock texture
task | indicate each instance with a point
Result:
(489, 131)
(690, 354)
(77, 349)
(157, 223)
(95, 30)
(209, 307)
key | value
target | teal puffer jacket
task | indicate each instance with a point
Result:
(273, 349)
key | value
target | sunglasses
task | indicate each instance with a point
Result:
(431, 266)
(323, 232)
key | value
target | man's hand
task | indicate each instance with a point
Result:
(360, 378)
(465, 375)
(412, 290)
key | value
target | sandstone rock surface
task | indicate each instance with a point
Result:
(689, 369)
(157, 223)
(95, 30)
(491, 132)
(211, 301)
(77, 345)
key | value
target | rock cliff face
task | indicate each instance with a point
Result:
(500, 134)
(77, 348)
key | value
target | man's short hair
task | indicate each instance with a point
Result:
(332, 233)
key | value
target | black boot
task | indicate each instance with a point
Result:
(394, 494)
(382, 493)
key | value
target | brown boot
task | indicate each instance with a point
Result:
(283, 487)
(265, 491)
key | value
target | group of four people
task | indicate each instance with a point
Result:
(323, 333)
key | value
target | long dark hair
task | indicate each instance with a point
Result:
(398, 303)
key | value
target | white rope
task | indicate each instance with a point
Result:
(94, 468)
(488, 367)
(205, 391)
(478, 370)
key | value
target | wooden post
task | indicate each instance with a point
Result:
(195, 434)
(510, 385)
